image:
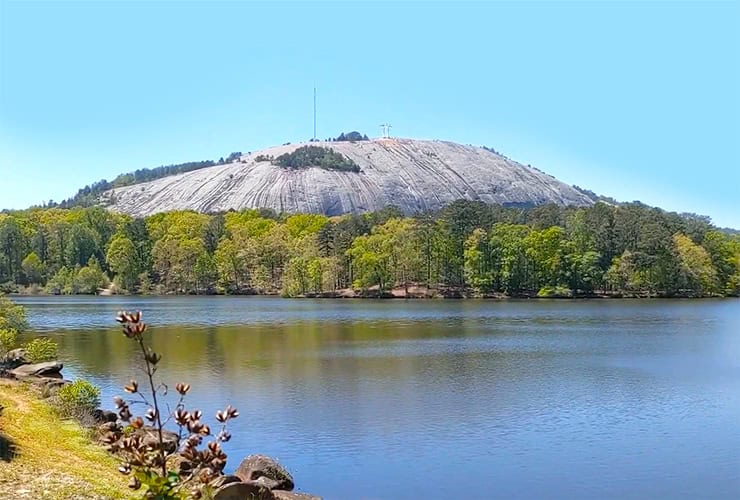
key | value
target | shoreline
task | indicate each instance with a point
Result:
(398, 294)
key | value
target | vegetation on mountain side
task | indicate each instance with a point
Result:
(351, 137)
(476, 249)
(89, 195)
(316, 156)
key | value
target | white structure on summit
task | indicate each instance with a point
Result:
(386, 130)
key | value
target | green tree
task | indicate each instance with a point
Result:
(697, 275)
(12, 248)
(90, 279)
(509, 257)
(123, 260)
(477, 261)
(33, 268)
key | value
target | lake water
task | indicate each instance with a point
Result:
(435, 399)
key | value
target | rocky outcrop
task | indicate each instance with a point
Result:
(414, 175)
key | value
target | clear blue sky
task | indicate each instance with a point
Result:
(639, 101)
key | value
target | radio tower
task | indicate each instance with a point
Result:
(314, 114)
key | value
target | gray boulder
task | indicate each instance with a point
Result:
(255, 467)
(242, 491)
(150, 437)
(47, 369)
(49, 385)
(102, 416)
(224, 480)
(14, 359)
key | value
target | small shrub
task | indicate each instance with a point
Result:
(8, 339)
(12, 316)
(41, 349)
(80, 398)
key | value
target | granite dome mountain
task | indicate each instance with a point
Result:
(353, 177)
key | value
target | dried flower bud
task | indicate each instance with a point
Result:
(224, 436)
(152, 357)
(221, 416)
(196, 415)
(195, 427)
(231, 412)
(206, 475)
(181, 417)
(132, 387)
(125, 414)
(151, 415)
(205, 430)
(137, 423)
(182, 388)
(119, 402)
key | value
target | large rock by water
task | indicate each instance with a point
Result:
(255, 467)
(47, 369)
(414, 175)
(242, 491)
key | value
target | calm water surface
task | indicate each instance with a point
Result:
(445, 399)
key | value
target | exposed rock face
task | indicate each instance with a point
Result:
(414, 175)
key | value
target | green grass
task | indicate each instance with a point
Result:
(43, 456)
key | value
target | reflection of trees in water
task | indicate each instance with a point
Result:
(317, 356)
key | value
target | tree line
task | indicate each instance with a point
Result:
(468, 248)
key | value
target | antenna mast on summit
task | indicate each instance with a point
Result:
(314, 114)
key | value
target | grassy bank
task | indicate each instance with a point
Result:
(44, 457)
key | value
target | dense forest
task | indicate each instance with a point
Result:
(468, 249)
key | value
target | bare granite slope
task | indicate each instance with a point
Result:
(414, 175)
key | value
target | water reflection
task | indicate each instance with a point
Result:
(366, 399)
